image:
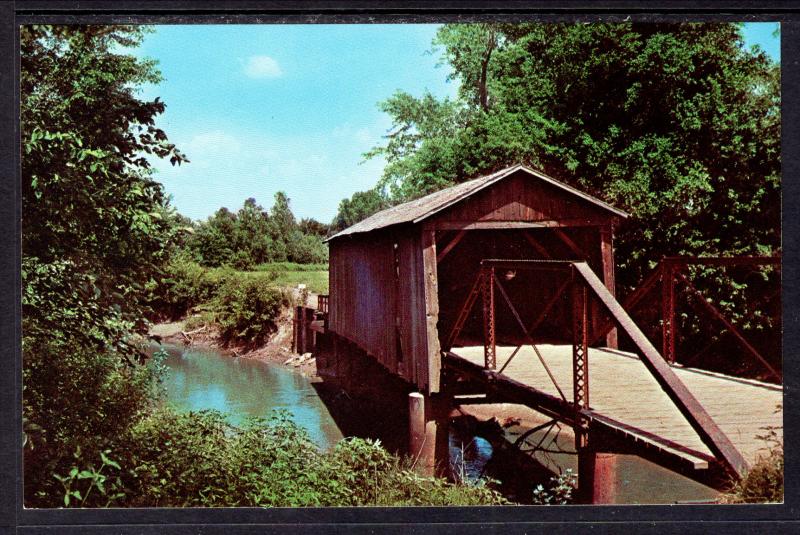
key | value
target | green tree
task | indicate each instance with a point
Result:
(360, 205)
(211, 243)
(96, 226)
(253, 236)
(96, 230)
(281, 218)
(676, 123)
(309, 225)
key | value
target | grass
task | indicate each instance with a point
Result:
(291, 266)
(315, 281)
(289, 275)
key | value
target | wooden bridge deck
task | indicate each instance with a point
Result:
(621, 388)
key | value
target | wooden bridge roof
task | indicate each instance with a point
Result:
(424, 207)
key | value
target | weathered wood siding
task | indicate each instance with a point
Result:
(363, 296)
(378, 301)
(522, 197)
(384, 284)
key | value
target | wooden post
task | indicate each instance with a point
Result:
(428, 433)
(294, 330)
(607, 253)
(431, 294)
(299, 346)
(416, 427)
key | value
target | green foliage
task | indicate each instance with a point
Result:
(360, 205)
(198, 459)
(221, 294)
(93, 217)
(76, 399)
(254, 236)
(559, 492)
(307, 249)
(91, 479)
(246, 308)
(183, 285)
(281, 267)
(309, 225)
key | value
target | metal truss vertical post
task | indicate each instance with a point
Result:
(580, 359)
(489, 342)
(668, 311)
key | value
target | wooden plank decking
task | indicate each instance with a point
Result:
(622, 388)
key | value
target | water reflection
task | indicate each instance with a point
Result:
(202, 379)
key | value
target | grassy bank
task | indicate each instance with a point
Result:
(290, 274)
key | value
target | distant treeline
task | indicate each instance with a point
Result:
(253, 236)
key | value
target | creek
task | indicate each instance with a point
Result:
(205, 379)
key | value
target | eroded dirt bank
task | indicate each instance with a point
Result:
(276, 350)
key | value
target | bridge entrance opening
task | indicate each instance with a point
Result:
(541, 298)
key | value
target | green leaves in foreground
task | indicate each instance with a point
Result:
(95, 225)
(199, 460)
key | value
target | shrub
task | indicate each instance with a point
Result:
(198, 459)
(77, 402)
(183, 286)
(247, 308)
(242, 260)
(763, 483)
(559, 492)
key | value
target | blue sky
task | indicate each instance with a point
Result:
(263, 108)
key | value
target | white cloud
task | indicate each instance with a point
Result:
(363, 136)
(262, 67)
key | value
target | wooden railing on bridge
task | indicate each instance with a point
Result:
(585, 285)
(322, 303)
(306, 323)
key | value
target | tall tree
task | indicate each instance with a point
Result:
(676, 123)
(95, 226)
(360, 205)
(96, 229)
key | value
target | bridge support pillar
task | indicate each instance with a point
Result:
(428, 433)
(597, 476)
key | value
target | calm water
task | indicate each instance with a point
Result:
(201, 379)
(204, 379)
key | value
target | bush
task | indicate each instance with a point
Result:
(763, 483)
(77, 402)
(183, 286)
(559, 492)
(198, 459)
(247, 308)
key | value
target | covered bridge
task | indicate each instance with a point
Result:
(399, 279)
